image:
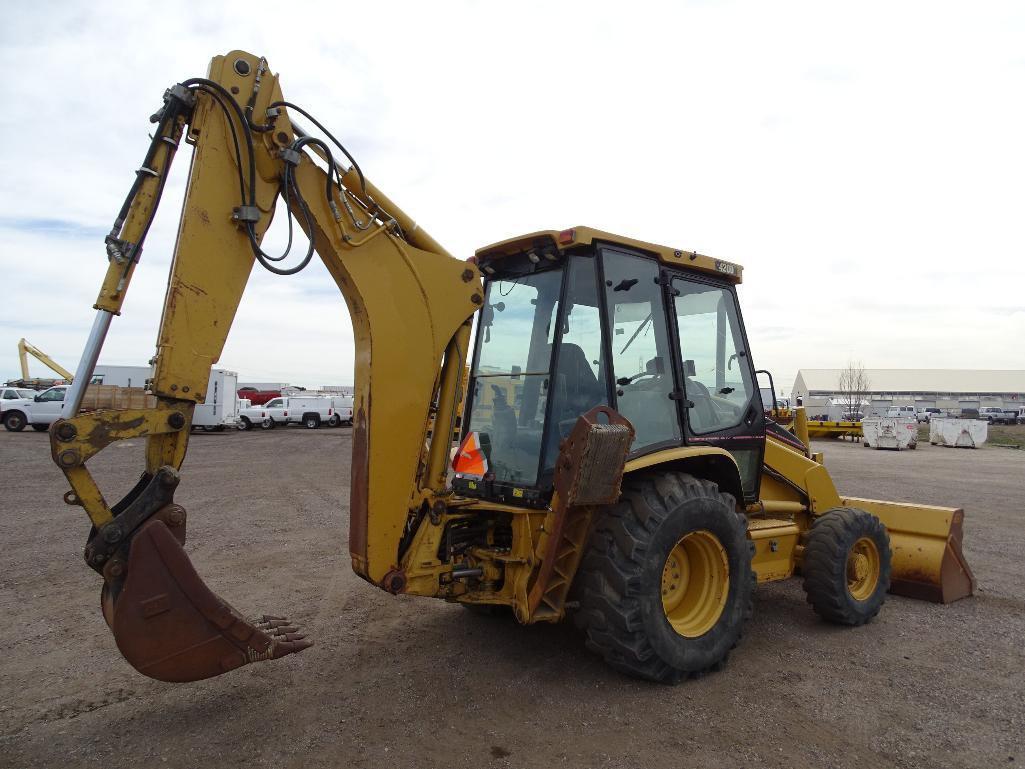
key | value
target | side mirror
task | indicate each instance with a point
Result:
(688, 368)
(38, 398)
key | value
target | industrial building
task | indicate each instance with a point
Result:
(951, 389)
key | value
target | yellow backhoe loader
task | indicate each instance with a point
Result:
(615, 459)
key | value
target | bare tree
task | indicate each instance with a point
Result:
(853, 386)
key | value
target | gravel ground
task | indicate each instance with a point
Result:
(406, 682)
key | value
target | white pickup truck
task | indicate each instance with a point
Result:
(38, 409)
(309, 411)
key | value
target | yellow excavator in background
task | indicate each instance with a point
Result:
(615, 462)
(24, 350)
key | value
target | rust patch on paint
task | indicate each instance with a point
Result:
(359, 492)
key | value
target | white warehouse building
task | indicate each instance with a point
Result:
(951, 389)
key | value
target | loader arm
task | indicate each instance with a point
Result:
(927, 562)
(411, 306)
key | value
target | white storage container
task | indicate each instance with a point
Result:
(960, 433)
(890, 432)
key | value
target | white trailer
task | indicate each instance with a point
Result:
(221, 407)
(122, 376)
(890, 433)
(958, 433)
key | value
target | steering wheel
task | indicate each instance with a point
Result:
(647, 379)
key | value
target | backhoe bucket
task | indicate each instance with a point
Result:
(170, 626)
(926, 542)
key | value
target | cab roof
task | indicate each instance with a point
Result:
(575, 237)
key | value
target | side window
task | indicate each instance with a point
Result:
(10, 395)
(52, 395)
(717, 372)
(640, 348)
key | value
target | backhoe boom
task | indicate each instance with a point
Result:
(411, 305)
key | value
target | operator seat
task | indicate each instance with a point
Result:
(582, 389)
(702, 415)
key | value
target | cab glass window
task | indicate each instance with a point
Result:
(641, 361)
(579, 381)
(511, 379)
(716, 368)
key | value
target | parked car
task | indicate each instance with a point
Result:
(1014, 416)
(258, 415)
(12, 401)
(40, 411)
(925, 414)
(995, 415)
(969, 414)
(15, 394)
(343, 410)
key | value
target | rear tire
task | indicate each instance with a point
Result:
(245, 424)
(15, 421)
(311, 421)
(334, 421)
(647, 552)
(267, 424)
(846, 566)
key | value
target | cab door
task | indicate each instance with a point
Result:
(722, 405)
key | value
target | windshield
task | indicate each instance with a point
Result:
(509, 386)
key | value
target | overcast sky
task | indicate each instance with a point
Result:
(864, 162)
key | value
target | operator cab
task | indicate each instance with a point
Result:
(582, 318)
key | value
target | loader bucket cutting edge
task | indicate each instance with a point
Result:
(170, 626)
(928, 563)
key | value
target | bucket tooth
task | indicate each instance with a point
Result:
(170, 626)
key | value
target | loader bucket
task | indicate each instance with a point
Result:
(170, 626)
(926, 542)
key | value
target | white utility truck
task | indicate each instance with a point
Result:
(311, 411)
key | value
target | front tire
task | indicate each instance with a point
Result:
(666, 585)
(267, 424)
(15, 421)
(245, 424)
(847, 566)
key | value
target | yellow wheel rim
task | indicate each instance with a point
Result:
(695, 584)
(862, 569)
